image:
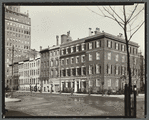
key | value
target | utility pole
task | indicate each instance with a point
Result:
(12, 71)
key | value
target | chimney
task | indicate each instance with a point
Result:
(90, 32)
(97, 31)
(57, 41)
(40, 48)
(120, 34)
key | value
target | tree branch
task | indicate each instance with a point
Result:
(116, 13)
(136, 15)
(135, 31)
(114, 17)
(132, 13)
(94, 12)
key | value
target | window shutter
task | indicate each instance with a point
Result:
(118, 69)
(95, 69)
(111, 69)
(107, 69)
(100, 70)
(74, 49)
(115, 45)
(88, 46)
(111, 44)
(118, 46)
(84, 46)
(107, 43)
(92, 45)
(100, 43)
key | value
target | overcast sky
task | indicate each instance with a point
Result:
(49, 21)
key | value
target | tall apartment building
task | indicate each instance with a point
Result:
(97, 62)
(17, 34)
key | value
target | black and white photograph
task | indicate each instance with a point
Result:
(76, 61)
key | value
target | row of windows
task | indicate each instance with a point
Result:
(29, 65)
(18, 30)
(80, 47)
(25, 21)
(16, 40)
(18, 46)
(31, 73)
(29, 81)
(123, 47)
(17, 35)
(120, 70)
(55, 52)
(18, 25)
(71, 60)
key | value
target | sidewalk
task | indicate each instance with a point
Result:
(12, 100)
(79, 94)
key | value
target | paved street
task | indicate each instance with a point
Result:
(66, 105)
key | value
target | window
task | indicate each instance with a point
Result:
(123, 58)
(72, 49)
(116, 69)
(83, 70)
(109, 44)
(135, 61)
(90, 83)
(83, 58)
(116, 46)
(109, 83)
(97, 44)
(72, 60)
(116, 57)
(77, 59)
(62, 51)
(109, 56)
(83, 46)
(62, 61)
(109, 69)
(122, 47)
(51, 62)
(97, 68)
(51, 72)
(97, 82)
(116, 83)
(90, 57)
(90, 46)
(77, 48)
(67, 50)
(97, 56)
(90, 69)
(67, 61)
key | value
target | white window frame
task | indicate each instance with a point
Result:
(82, 58)
(109, 44)
(97, 56)
(123, 58)
(77, 48)
(83, 46)
(76, 59)
(97, 82)
(72, 49)
(66, 61)
(90, 57)
(67, 50)
(97, 68)
(71, 60)
(90, 45)
(116, 46)
(97, 44)
(109, 55)
(116, 57)
(123, 47)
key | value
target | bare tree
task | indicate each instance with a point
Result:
(127, 18)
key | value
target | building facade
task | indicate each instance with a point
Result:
(17, 34)
(54, 68)
(29, 74)
(44, 69)
(97, 62)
